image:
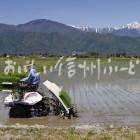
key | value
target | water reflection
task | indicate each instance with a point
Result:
(114, 99)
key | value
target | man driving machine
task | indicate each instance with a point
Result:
(32, 80)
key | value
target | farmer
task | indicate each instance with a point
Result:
(33, 78)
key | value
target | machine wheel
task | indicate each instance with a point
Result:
(42, 108)
(19, 111)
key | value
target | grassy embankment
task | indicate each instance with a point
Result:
(69, 134)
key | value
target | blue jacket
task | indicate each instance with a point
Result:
(33, 77)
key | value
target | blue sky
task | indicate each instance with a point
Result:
(95, 13)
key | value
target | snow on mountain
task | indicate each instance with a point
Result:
(132, 25)
(131, 29)
(83, 28)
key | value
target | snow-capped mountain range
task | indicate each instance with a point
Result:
(131, 29)
(133, 25)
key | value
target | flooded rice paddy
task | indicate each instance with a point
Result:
(111, 100)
